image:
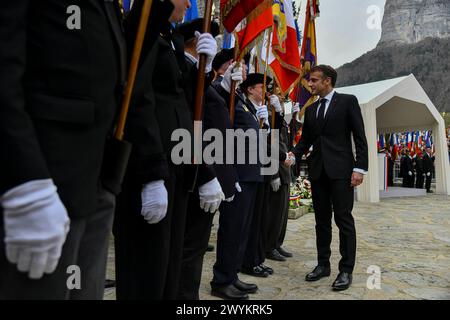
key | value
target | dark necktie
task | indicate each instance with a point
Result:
(321, 115)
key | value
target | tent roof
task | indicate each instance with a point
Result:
(369, 91)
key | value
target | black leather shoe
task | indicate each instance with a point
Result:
(275, 255)
(284, 253)
(268, 269)
(318, 273)
(110, 283)
(245, 287)
(229, 292)
(343, 281)
(210, 248)
(255, 271)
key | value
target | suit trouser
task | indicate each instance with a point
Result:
(338, 196)
(232, 236)
(148, 256)
(254, 253)
(428, 182)
(86, 246)
(419, 180)
(196, 238)
(275, 226)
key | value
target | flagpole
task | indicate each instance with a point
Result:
(133, 69)
(266, 67)
(233, 84)
(202, 65)
(198, 106)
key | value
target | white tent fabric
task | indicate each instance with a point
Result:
(398, 105)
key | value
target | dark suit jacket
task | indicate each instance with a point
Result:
(332, 144)
(60, 90)
(427, 163)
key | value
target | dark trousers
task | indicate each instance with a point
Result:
(275, 226)
(196, 238)
(86, 246)
(419, 180)
(232, 236)
(148, 256)
(408, 181)
(428, 182)
(254, 253)
(334, 195)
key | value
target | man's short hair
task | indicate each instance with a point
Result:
(327, 71)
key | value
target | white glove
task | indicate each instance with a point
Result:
(428, 174)
(232, 74)
(36, 225)
(275, 184)
(275, 102)
(296, 107)
(154, 201)
(206, 44)
(410, 173)
(262, 113)
(211, 196)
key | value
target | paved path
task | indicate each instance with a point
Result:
(407, 238)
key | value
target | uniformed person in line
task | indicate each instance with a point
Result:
(63, 67)
(220, 64)
(199, 220)
(255, 253)
(418, 166)
(275, 225)
(236, 216)
(428, 168)
(151, 213)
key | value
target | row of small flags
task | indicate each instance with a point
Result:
(412, 140)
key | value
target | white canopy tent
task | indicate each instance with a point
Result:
(399, 105)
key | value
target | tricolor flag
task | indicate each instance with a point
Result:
(428, 139)
(302, 93)
(381, 143)
(284, 57)
(409, 140)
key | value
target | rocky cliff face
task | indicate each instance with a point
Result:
(410, 21)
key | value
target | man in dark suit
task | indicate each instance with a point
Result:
(333, 170)
(428, 168)
(62, 73)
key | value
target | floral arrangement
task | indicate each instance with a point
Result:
(300, 194)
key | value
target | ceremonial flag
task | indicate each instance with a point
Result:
(409, 140)
(253, 27)
(284, 56)
(235, 11)
(302, 94)
(192, 12)
(382, 142)
(228, 40)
